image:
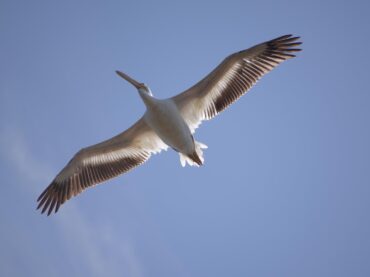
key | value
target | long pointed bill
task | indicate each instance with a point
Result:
(129, 79)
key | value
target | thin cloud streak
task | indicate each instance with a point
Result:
(79, 237)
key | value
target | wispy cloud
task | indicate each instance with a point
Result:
(79, 236)
(13, 148)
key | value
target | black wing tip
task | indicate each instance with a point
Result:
(285, 39)
(44, 210)
(282, 37)
(49, 206)
(42, 194)
(49, 199)
(284, 45)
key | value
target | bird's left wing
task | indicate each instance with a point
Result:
(232, 78)
(100, 162)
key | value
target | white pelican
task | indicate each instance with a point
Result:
(168, 122)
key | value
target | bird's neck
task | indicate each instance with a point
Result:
(148, 100)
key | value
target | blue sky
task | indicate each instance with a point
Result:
(285, 186)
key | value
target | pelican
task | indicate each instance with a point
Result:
(167, 122)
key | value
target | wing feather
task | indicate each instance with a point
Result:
(233, 78)
(100, 162)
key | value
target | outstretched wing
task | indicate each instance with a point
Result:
(232, 78)
(100, 162)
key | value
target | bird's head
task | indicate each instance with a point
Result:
(141, 87)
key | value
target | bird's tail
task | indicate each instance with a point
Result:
(196, 158)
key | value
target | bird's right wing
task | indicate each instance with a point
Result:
(232, 78)
(100, 162)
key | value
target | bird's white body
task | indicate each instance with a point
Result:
(168, 123)
(165, 119)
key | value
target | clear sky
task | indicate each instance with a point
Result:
(286, 182)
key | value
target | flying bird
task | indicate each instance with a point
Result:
(167, 122)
